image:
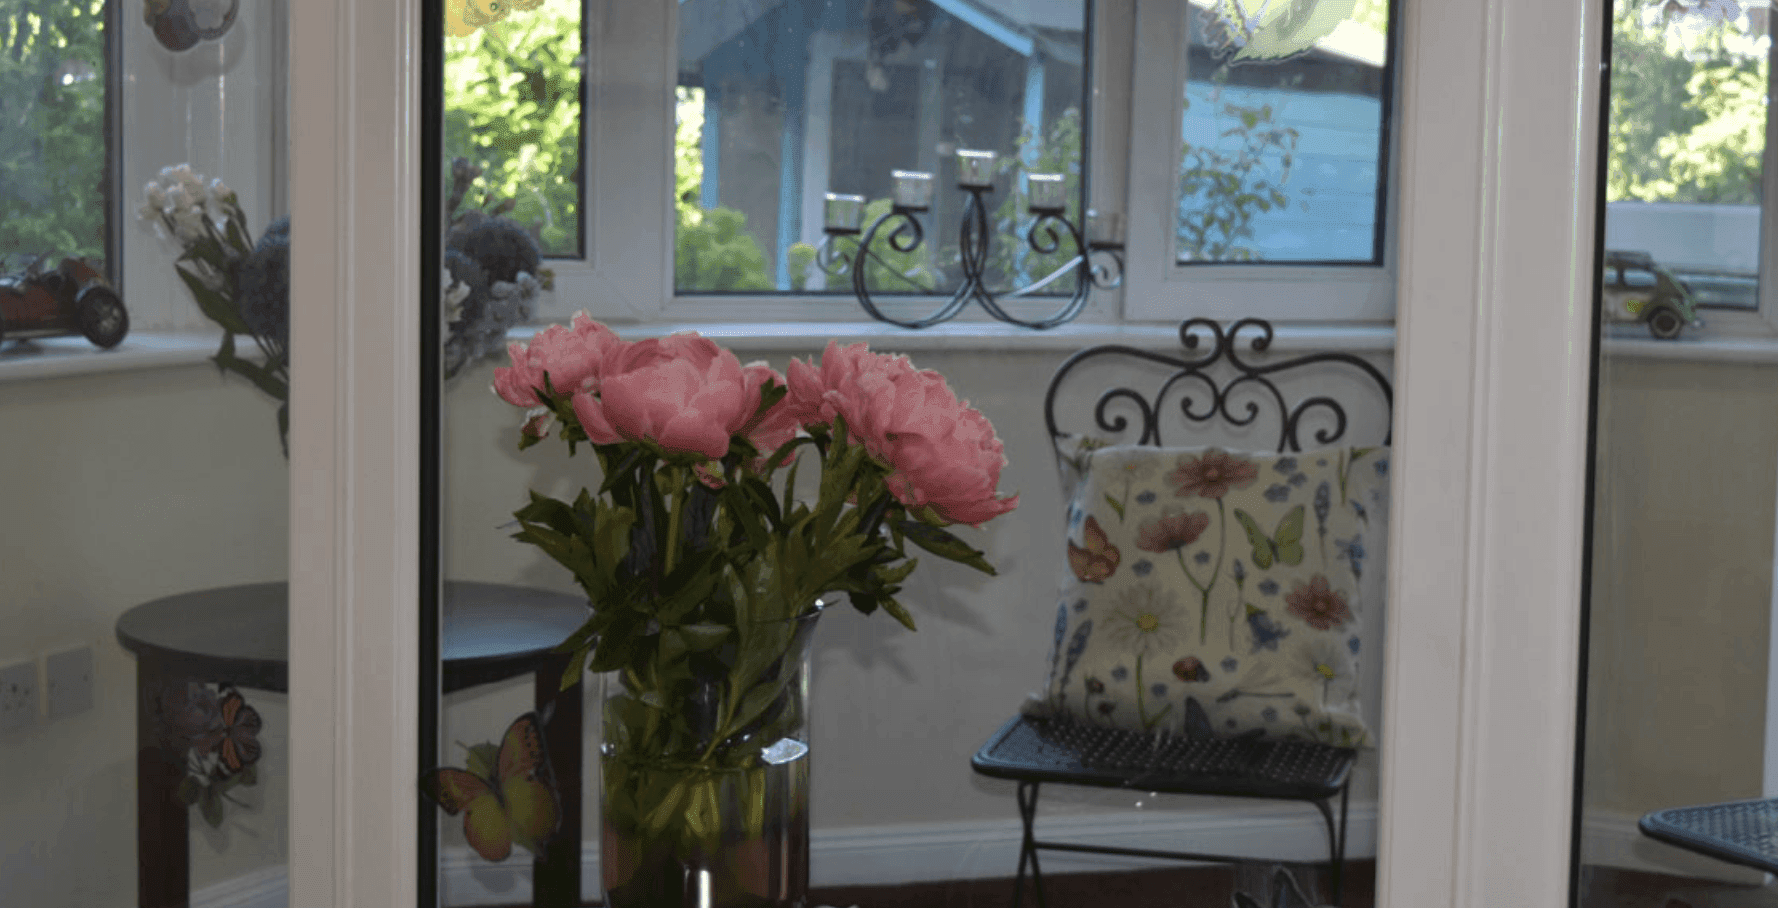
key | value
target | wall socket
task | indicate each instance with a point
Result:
(18, 696)
(68, 682)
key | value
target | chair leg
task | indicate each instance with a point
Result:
(1339, 893)
(1336, 845)
(1028, 847)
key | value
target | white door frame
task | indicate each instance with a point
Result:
(1499, 144)
(354, 450)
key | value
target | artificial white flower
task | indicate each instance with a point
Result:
(1146, 618)
(1324, 659)
(220, 192)
(188, 225)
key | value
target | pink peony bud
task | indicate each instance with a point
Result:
(573, 357)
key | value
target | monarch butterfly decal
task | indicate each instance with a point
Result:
(1098, 560)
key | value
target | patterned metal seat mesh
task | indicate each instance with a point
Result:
(1745, 832)
(1037, 749)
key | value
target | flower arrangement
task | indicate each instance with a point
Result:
(491, 280)
(242, 286)
(703, 565)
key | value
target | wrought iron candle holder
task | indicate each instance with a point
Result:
(900, 228)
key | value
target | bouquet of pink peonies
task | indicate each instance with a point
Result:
(704, 571)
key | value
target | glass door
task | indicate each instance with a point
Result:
(145, 712)
(1679, 738)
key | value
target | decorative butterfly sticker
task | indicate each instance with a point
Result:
(1284, 546)
(463, 17)
(1098, 560)
(1274, 30)
(234, 736)
(505, 794)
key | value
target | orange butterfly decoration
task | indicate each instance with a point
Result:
(506, 795)
(1098, 560)
(232, 733)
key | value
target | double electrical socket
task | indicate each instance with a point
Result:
(66, 688)
(18, 696)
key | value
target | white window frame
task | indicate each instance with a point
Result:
(1137, 60)
(1159, 287)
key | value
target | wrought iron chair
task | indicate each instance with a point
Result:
(1032, 750)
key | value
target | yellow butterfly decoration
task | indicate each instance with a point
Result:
(1262, 30)
(1284, 546)
(464, 17)
(507, 795)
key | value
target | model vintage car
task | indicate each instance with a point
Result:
(72, 298)
(1635, 289)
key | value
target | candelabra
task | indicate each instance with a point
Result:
(1047, 199)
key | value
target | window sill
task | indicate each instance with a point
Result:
(811, 337)
(1691, 348)
(60, 357)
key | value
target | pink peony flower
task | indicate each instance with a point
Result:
(942, 454)
(572, 356)
(779, 424)
(683, 391)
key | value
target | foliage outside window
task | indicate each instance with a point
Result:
(513, 107)
(1688, 103)
(1687, 140)
(53, 174)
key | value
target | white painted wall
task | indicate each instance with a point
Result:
(132, 486)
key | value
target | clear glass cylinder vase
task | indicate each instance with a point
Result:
(704, 769)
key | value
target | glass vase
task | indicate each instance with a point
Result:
(705, 776)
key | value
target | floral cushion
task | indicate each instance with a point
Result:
(1215, 593)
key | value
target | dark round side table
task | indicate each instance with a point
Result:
(240, 635)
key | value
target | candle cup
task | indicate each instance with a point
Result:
(1105, 230)
(975, 169)
(913, 190)
(1047, 193)
(843, 214)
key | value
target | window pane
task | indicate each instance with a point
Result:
(513, 113)
(1283, 131)
(1687, 141)
(53, 178)
(781, 103)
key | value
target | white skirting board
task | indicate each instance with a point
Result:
(927, 852)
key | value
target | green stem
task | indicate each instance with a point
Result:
(1141, 707)
(1215, 573)
(672, 546)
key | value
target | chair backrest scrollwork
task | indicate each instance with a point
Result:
(1221, 375)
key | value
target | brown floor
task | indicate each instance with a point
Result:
(1602, 887)
(1210, 887)
(1192, 887)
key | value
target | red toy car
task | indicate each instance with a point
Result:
(71, 299)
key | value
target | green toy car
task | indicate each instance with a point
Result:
(1635, 289)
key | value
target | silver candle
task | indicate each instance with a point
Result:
(913, 189)
(843, 213)
(1047, 192)
(1105, 228)
(975, 169)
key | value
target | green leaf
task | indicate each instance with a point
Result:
(901, 614)
(943, 544)
(210, 806)
(1116, 505)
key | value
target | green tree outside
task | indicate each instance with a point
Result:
(512, 105)
(52, 129)
(1688, 108)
